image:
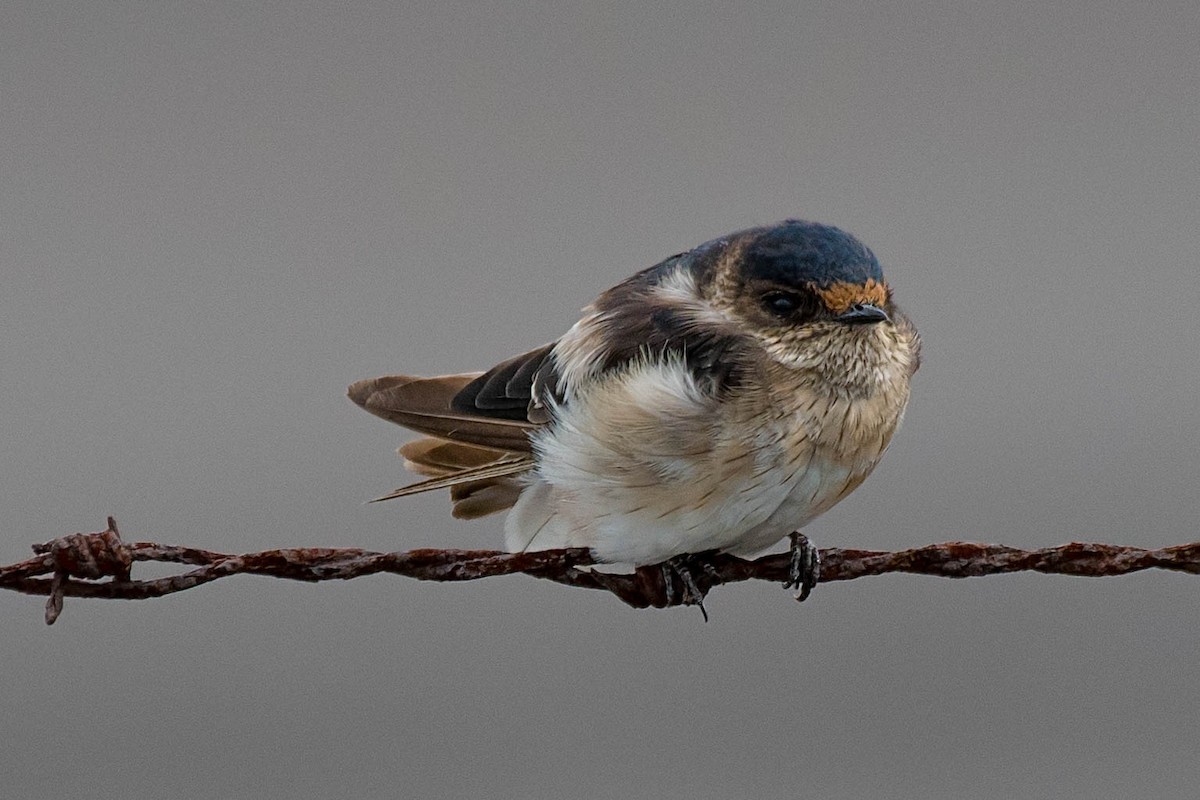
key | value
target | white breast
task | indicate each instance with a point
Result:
(646, 467)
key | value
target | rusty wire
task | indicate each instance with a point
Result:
(79, 564)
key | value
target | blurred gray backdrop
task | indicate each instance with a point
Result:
(215, 216)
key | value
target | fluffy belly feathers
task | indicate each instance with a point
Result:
(645, 481)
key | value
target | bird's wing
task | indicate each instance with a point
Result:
(515, 389)
(426, 405)
(656, 315)
(489, 416)
(477, 454)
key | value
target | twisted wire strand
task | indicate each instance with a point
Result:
(99, 565)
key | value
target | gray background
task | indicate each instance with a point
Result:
(216, 216)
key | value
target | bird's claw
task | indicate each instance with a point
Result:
(805, 568)
(680, 567)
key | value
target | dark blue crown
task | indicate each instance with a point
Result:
(796, 252)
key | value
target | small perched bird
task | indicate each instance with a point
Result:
(716, 401)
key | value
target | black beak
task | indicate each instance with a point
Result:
(862, 313)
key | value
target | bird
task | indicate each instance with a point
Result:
(719, 400)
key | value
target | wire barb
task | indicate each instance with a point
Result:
(84, 555)
(79, 564)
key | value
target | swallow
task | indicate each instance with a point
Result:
(716, 401)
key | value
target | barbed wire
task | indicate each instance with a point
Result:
(99, 565)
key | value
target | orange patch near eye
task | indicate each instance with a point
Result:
(841, 295)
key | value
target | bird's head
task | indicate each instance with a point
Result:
(814, 295)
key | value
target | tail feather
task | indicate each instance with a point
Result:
(474, 500)
(486, 473)
(479, 458)
(433, 456)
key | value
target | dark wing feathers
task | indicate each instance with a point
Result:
(482, 421)
(636, 322)
(716, 355)
(425, 405)
(478, 459)
(501, 407)
(639, 322)
(505, 390)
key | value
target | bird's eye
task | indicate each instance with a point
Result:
(782, 304)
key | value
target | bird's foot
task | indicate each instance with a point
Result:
(805, 568)
(680, 567)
